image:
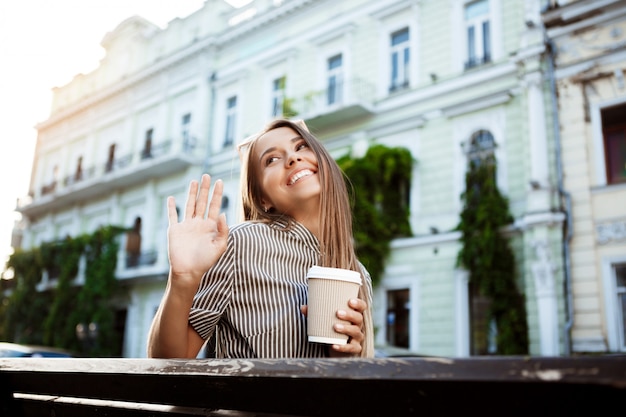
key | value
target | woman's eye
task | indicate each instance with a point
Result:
(301, 146)
(270, 160)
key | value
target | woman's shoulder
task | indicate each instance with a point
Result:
(248, 227)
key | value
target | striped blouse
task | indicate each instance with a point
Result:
(250, 299)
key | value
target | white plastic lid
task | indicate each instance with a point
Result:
(334, 273)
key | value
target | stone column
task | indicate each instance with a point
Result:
(543, 274)
(539, 195)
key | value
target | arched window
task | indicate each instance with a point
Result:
(481, 148)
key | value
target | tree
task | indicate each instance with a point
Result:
(487, 255)
(380, 183)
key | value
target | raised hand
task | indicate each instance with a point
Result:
(197, 242)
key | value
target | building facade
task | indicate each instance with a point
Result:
(587, 49)
(436, 77)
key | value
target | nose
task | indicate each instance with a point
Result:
(292, 158)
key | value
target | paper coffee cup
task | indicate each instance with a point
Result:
(330, 289)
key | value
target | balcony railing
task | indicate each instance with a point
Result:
(82, 175)
(345, 100)
(49, 188)
(117, 163)
(142, 259)
(132, 169)
(477, 60)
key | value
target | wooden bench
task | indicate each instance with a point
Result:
(495, 386)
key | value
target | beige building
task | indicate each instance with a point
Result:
(588, 50)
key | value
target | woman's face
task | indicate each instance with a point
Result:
(288, 171)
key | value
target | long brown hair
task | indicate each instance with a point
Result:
(335, 229)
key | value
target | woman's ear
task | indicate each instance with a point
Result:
(266, 206)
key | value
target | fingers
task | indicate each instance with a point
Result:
(354, 330)
(190, 205)
(355, 338)
(216, 199)
(198, 199)
(203, 196)
(222, 227)
(172, 215)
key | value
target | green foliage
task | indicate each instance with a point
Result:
(487, 255)
(62, 257)
(25, 308)
(288, 109)
(50, 317)
(381, 183)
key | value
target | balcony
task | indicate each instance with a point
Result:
(146, 265)
(476, 61)
(126, 171)
(341, 102)
(142, 266)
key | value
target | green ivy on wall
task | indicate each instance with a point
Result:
(25, 309)
(487, 255)
(61, 259)
(380, 183)
(50, 317)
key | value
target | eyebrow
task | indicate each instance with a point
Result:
(273, 148)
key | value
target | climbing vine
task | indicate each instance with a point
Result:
(50, 316)
(487, 255)
(60, 259)
(380, 182)
(24, 310)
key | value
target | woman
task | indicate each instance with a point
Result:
(297, 214)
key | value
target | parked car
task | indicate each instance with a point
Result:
(15, 350)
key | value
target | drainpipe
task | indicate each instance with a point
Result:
(209, 151)
(566, 200)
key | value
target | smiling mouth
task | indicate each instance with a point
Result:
(299, 175)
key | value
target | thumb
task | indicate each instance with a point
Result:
(222, 226)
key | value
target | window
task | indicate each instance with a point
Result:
(78, 175)
(478, 33)
(481, 147)
(188, 140)
(399, 59)
(133, 244)
(620, 286)
(398, 309)
(614, 133)
(231, 118)
(110, 159)
(49, 188)
(147, 145)
(278, 96)
(335, 80)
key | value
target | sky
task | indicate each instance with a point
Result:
(44, 44)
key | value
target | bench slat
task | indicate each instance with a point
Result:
(325, 387)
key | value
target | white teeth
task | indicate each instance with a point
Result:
(303, 173)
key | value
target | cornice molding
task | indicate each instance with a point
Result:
(262, 19)
(477, 103)
(471, 79)
(185, 54)
(580, 15)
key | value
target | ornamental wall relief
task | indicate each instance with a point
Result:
(611, 232)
